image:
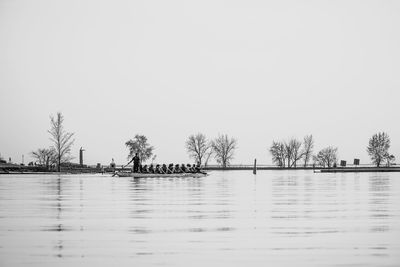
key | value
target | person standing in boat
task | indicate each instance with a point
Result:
(136, 162)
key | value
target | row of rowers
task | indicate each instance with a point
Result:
(162, 169)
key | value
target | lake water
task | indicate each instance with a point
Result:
(232, 218)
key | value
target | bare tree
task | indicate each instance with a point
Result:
(139, 145)
(45, 156)
(62, 140)
(278, 153)
(327, 157)
(294, 150)
(288, 153)
(378, 148)
(224, 148)
(308, 147)
(198, 147)
(282, 151)
(208, 155)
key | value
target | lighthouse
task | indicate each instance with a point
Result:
(81, 156)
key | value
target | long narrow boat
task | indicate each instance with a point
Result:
(159, 175)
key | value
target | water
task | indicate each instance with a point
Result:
(276, 218)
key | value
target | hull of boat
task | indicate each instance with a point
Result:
(159, 175)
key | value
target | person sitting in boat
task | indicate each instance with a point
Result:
(194, 168)
(183, 168)
(177, 169)
(145, 169)
(197, 168)
(157, 169)
(189, 168)
(170, 168)
(140, 168)
(151, 168)
(164, 169)
(160, 169)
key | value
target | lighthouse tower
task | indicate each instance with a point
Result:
(81, 156)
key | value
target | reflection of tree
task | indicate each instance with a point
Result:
(56, 190)
(285, 197)
(59, 198)
(296, 199)
(379, 187)
(59, 226)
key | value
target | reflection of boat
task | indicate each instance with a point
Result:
(159, 175)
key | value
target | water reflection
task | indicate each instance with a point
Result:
(285, 197)
(55, 189)
(225, 219)
(55, 228)
(178, 202)
(305, 206)
(379, 205)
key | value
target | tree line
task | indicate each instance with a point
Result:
(286, 154)
(289, 153)
(198, 147)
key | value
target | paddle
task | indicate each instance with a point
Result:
(116, 172)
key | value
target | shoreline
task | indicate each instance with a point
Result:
(361, 169)
(316, 169)
(22, 171)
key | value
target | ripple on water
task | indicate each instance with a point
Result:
(276, 218)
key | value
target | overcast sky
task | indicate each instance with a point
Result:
(256, 70)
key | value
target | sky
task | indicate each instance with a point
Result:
(256, 70)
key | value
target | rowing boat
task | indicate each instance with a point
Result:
(160, 175)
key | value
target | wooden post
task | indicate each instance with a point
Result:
(255, 167)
